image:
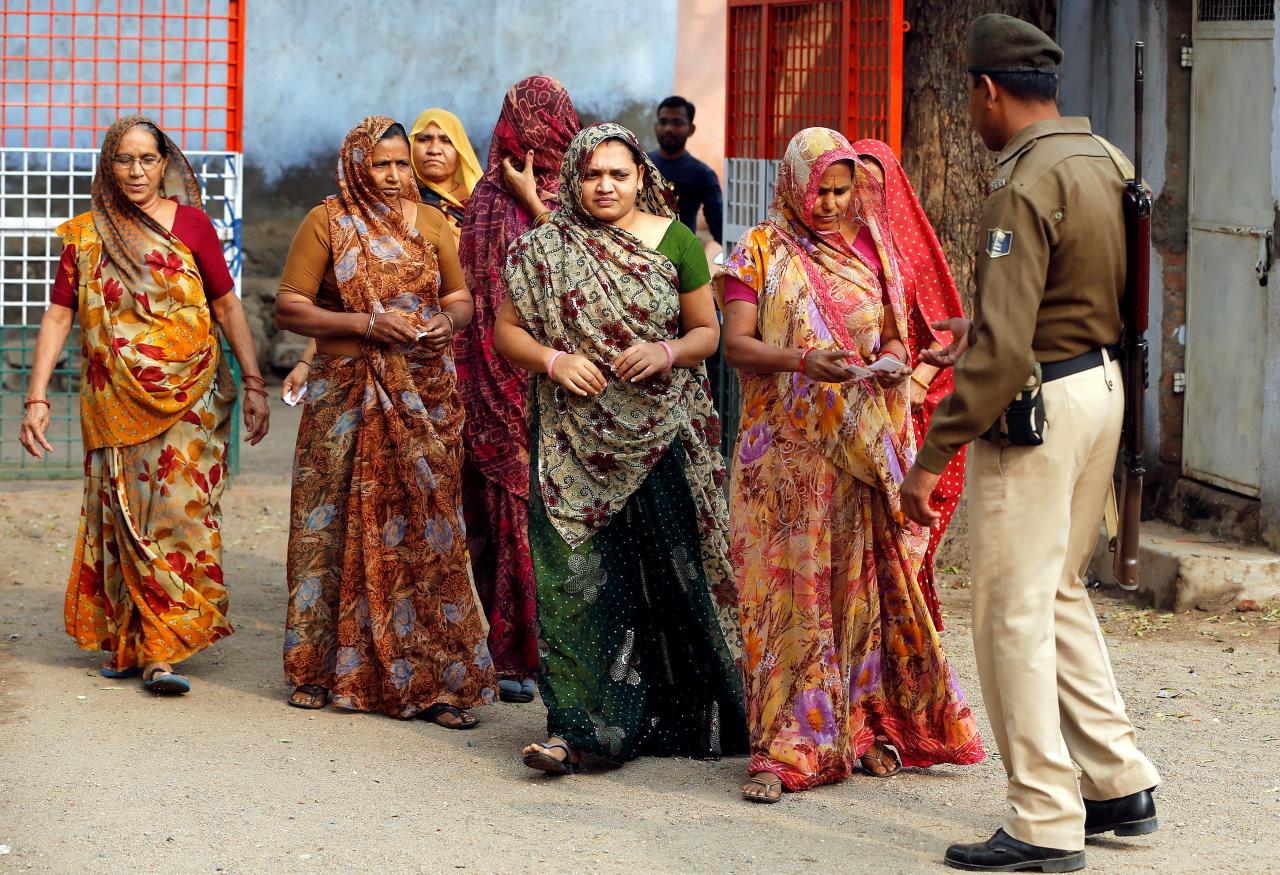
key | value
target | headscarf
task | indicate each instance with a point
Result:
(377, 254)
(537, 114)
(812, 286)
(468, 172)
(127, 232)
(587, 287)
(150, 351)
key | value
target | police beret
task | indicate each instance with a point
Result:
(1004, 44)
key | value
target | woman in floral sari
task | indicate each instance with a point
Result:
(611, 307)
(145, 273)
(931, 299)
(382, 615)
(534, 128)
(841, 656)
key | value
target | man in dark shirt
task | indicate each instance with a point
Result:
(695, 183)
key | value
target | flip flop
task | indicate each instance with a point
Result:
(529, 687)
(439, 708)
(768, 786)
(119, 673)
(512, 690)
(318, 695)
(878, 758)
(168, 683)
(545, 762)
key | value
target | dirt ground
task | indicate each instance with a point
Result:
(100, 776)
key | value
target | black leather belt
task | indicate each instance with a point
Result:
(1050, 371)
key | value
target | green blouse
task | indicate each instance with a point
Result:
(684, 250)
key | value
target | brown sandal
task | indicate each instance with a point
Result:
(768, 797)
(876, 755)
(316, 697)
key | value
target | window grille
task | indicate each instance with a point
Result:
(70, 68)
(1237, 10)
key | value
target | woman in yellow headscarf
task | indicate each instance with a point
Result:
(446, 170)
(444, 163)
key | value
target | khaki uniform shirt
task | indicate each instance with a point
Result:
(1050, 274)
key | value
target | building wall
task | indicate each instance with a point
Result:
(700, 74)
(310, 74)
(1097, 37)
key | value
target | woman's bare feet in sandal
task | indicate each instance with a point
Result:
(309, 696)
(762, 787)
(880, 762)
(554, 756)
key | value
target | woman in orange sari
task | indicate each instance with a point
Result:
(382, 614)
(842, 660)
(144, 271)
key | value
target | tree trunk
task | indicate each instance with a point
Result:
(946, 161)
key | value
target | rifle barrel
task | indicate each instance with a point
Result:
(1139, 49)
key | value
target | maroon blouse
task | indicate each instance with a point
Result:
(194, 228)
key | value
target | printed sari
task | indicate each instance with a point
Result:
(537, 116)
(156, 400)
(626, 518)
(931, 295)
(840, 649)
(381, 607)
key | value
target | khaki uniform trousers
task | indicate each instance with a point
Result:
(1046, 679)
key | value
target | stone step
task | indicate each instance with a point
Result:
(1182, 570)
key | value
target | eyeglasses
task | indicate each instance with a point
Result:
(148, 162)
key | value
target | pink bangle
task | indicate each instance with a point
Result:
(551, 363)
(671, 356)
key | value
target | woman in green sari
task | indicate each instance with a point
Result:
(610, 308)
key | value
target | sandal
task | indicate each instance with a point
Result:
(315, 695)
(466, 720)
(543, 761)
(772, 789)
(512, 690)
(159, 679)
(875, 755)
(110, 671)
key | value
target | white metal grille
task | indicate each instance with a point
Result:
(1237, 10)
(41, 189)
(749, 184)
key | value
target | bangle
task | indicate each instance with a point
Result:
(805, 356)
(671, 356)
(551, 363)
(30, 401)
(247, 377)
(542, 218)
(368, 332)
(256, 390)
(919, 382)
(453, 329)
(303, 362)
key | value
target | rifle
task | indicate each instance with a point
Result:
(1137, 221)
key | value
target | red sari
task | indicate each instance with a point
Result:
(536, 116)
(931, 295)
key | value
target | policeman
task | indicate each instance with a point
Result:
(1050, 276)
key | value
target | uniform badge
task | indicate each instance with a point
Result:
(997, 184)
(999, 242)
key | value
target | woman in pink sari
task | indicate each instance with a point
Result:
(842, 661)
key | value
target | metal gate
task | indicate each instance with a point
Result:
(794, 64)
(69, 69)
(1230, 242)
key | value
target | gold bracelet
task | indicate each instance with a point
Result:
(542, 218)
(919, 382)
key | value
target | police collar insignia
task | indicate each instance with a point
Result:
(999, 242)
(997, 184)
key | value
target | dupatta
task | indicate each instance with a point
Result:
(591, 288)
(149, 348)
(468, 172)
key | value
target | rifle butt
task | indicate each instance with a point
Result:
(1126, 564)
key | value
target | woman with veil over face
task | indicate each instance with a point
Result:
(518, 190)
(611, 310)
(843, 665)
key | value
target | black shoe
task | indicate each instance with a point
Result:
(1132, 815)
(1003, 853)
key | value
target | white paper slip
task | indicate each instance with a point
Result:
(888, 363)
(294, 398)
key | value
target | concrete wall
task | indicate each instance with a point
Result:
(314, 69)
(700, 74)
